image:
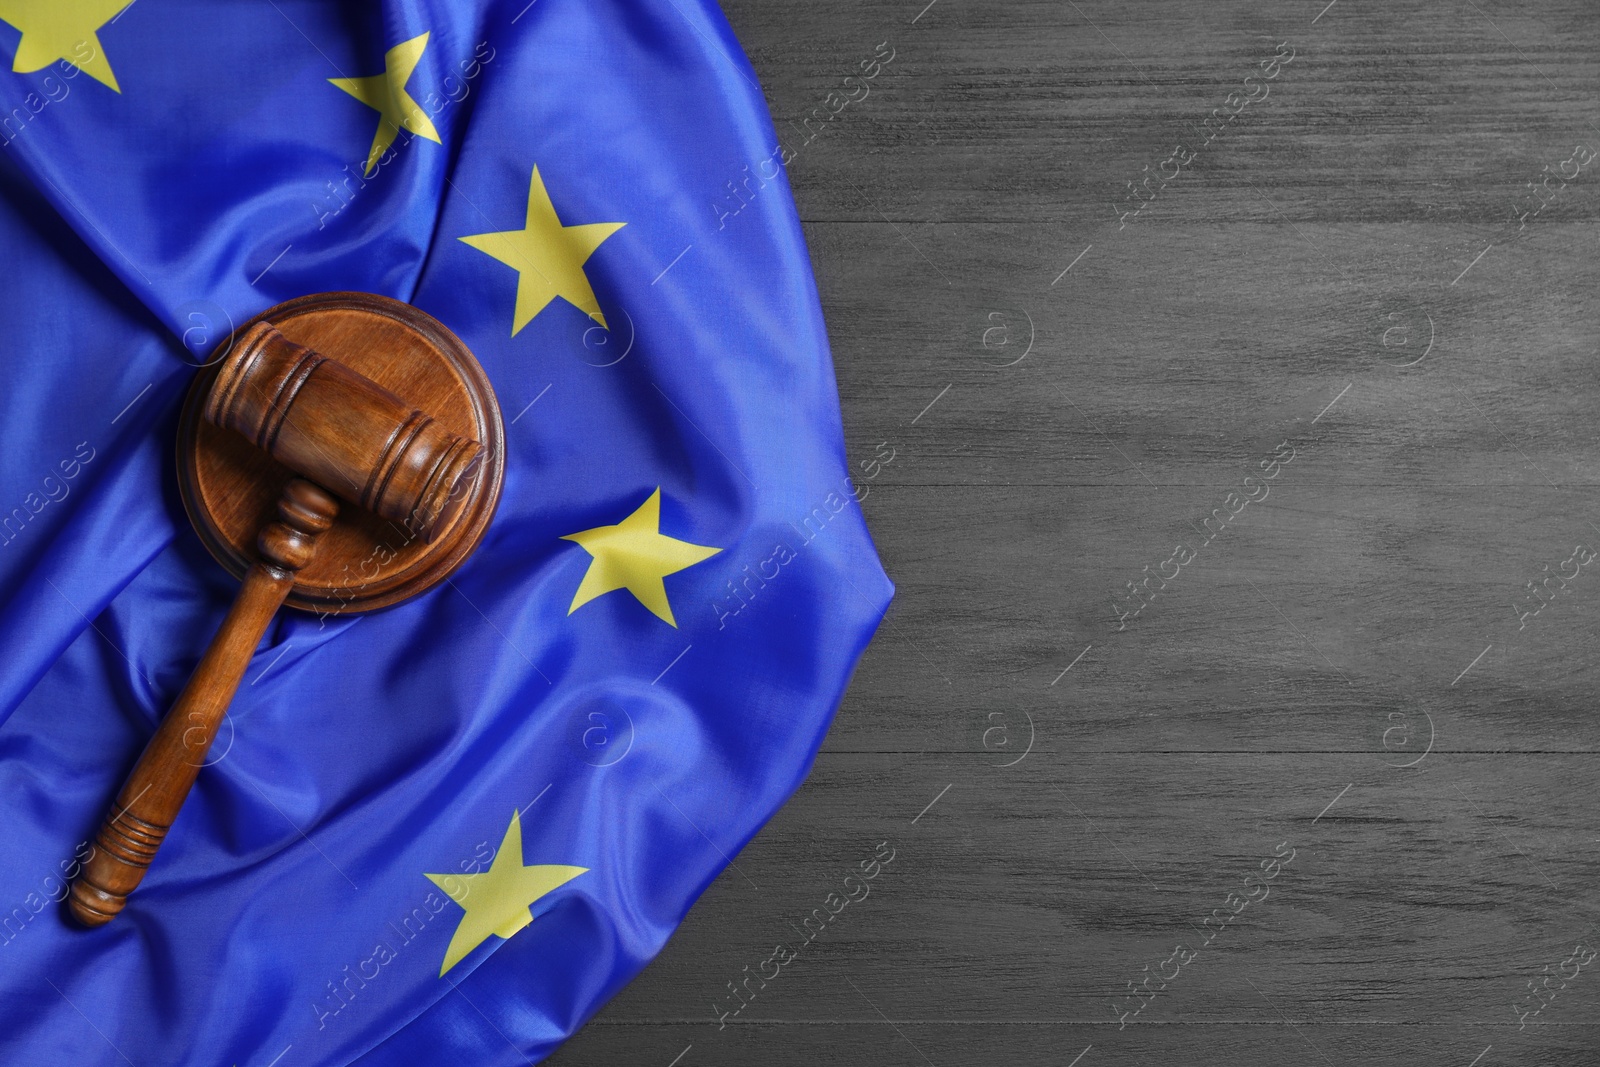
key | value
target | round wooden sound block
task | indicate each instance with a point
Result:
(231, 487)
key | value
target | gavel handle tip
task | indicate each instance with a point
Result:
(92, 906)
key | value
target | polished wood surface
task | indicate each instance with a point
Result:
(343, 430)
(155, 790)
(274, 429)
(370, 559)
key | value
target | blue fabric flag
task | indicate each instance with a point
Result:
(448, 831)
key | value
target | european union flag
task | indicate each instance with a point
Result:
(448, 831)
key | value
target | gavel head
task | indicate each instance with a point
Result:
(343, 431)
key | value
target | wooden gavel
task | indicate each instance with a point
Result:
(342, 435)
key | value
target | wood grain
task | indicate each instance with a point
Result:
(392, 421)
(271, 423)
(150, 799)
(1343, 268)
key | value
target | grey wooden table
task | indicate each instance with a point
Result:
(1285, 314)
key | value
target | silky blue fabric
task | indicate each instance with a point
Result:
(289, 912)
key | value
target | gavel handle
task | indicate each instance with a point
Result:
(155, 790)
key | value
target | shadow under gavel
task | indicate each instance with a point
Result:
(344, 436)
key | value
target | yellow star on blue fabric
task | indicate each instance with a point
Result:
(62, 30)
(635, 555)
(497, 901)
(548, 257)
(386, 94)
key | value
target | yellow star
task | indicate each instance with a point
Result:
(635, 555)
(548, 257)
(386, 93)
(496, 901)
(64, 30)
